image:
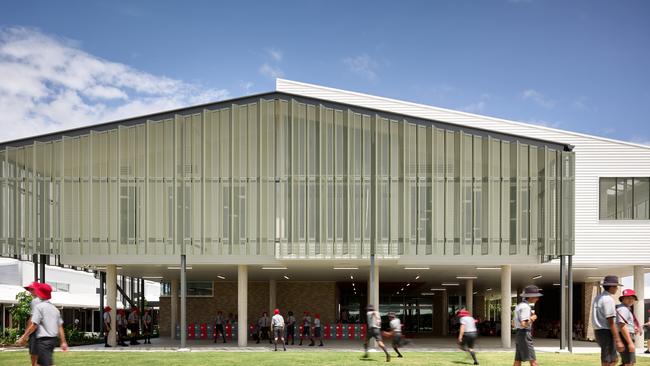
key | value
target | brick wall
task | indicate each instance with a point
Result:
(315, 297)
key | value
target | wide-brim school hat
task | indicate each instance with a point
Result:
(43, 291)
(628, 293)
(611, 280)
(32, 286)
(531, 291)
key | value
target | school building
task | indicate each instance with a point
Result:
(309, 198)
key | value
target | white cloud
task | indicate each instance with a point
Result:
(478, 106)
(537, 97)
(362, 65)
(276, 55)
(269, 71)
(51, 84)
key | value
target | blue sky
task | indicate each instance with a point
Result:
(576, 65)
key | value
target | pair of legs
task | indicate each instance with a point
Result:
(373, 333)
(146, 332)
(307, 334)
(219, 330)
(525, 350)
(467, 344)
(290, 333)
(264, 330)
(122, 336)
(278, 335)
(397, 341)
(134, 334)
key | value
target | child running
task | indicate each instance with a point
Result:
(468, 333)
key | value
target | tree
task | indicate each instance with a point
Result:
(21, 311)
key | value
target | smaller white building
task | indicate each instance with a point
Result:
(75, 292)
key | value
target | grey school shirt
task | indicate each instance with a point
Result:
(523, 311)
(602, 309)
(624, 317)
(469, 323)
(48, 319)
(373, 319)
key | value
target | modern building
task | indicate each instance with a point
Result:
(316, 199)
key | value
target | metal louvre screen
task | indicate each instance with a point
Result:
(286, 178)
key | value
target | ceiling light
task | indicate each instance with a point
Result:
(351, 277)
(221, 277)
(152, 277)
(596, 277)
(585, 268)
(402, 289)
(466, 277)
(475, 292)
(272, 268)
(427, 294)
(416, 268)
(346, 268)
(537, 277)
(556, 284)
(286, 277)
(408, 284)
(437, 289)
(177, 267)
(488, 289)
(494, 268)
(450, 284)
(417, 277)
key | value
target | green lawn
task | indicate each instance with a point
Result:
(290, 358)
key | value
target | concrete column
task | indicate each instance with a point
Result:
(273, 285)
(469, 296)
(506, 304)
(111, 300)
(183, 301)
(373, 291)
(639, 287)
(242, 305)
(174, 306)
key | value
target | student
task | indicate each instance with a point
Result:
(374, 325)
(395, 332)
(32, 337)
(277, 324)
(147, 322)
(264, 325)
(291, 327)
(46, 322)
(524, 317)
(107, 324)
(467, 333)
(628, 326)
(318, 331)
(219, 327)
(121, 327)
(603, 321)
(134, 325)
(306, 328)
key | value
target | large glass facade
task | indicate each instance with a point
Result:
(287, 178)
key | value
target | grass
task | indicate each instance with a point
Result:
(293, 358)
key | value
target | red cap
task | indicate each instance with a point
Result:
(43, 291)
(628, 292)
(317, 316)
(32, 286)
(306, 313)
(461, 313)
(276, 311)
(107, 308)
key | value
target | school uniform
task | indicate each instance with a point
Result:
(396, 328)
(32, 337)
(604, 308)
(146, 327)
(470, 332)
(306, 329)
(374, 325)
(133, 321)
(291, 328)
(107, 324)
(219, 327)
(525, 348)
(264, 325)
(48, 319)
(277, 322)
(625, 318)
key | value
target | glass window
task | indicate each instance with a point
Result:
(641, 198)
(607, 198)
(624, 198)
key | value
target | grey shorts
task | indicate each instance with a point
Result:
(44, 350)
(605, 340)
(278, 332)
(373, 333)
(32, 344)
(525, 349)
(469, 339)
(626, 355)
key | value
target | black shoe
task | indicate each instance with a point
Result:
(124, 345)
(107, 345)
(321, 345)
(258, 342)
(647, 351)
(387, 358)
(400, 356)
(475, 363)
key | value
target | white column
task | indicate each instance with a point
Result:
(469, 296)
(273, 285)
(639, 287)
(506, 303)
(183, 301)
(242, 305)
(111, 300)
(374, 296)
(445, 313)
(174, 306)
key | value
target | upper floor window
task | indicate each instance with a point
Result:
(624, 198)
(194, 289)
